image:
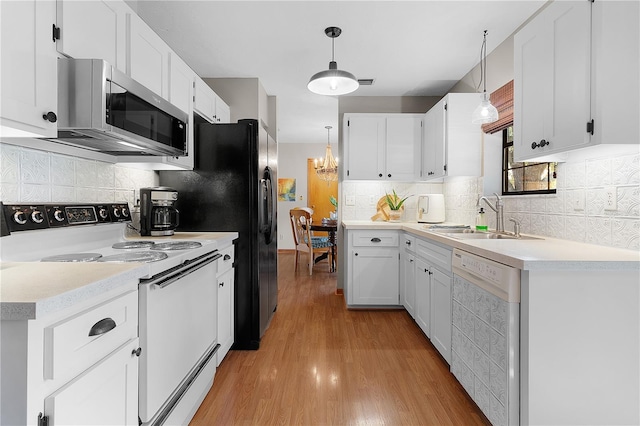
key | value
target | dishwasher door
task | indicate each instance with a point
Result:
(485, 334)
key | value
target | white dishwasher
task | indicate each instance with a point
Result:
(485, 334)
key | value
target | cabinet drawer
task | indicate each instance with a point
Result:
(226, 262)
(70, 349)
(375, 239)
(439, 256)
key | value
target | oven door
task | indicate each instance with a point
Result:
(177, 326)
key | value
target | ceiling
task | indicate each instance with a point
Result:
(410, 48)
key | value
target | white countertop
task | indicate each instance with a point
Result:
(543, 254)
(30, 290)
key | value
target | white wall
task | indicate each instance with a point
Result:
(292, 163)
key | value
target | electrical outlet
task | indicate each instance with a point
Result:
(578, 200)
(610, 198)
(281, 236)
(350, 200)
(372, 200)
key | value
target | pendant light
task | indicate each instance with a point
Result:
(328, 168)
(485, 112)
(333, 81)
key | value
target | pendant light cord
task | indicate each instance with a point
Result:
(483, 64)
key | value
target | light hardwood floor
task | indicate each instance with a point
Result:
(321, 364)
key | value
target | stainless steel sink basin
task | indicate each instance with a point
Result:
(472, 234)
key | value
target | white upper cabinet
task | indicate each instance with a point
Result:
(148, 57)
(452, 144)
(570, 90)
(403, 146)
(382, 146)
(209, 105)
(29, 84)
(181, 79)
(551, 82)
(93, 29)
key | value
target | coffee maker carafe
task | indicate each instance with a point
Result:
(158, 215)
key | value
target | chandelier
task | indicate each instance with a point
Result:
(327, 168)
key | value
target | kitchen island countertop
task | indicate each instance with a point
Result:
(541, 254)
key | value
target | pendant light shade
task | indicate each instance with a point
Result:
(485, 112)
(327, 170)
(333, 81)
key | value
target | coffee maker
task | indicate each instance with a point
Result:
(158, 215)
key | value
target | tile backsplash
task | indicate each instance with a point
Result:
(576, 212)
(29, 175)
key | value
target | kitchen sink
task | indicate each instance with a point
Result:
(473, 234)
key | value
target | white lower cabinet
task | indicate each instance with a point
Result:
(433, 294)
(408, 273)
(226, 292)
(76, 366)
(373, 266)
(107, 393)
(423, 296)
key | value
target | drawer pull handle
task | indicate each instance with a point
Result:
(102, 326)
(226, 257)
(136, 352)
(221, 284)
(375, 240)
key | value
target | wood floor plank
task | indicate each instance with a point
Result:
(322, 364)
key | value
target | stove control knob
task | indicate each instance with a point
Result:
(116, 212)
(37, 216)
(103, 213)
(20, 218)
(58, 216)
(125, 212)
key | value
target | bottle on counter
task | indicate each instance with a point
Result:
(481, 221)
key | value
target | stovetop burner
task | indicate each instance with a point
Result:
(137, 256)
(133, 244)
(73, 257)
(176, 245)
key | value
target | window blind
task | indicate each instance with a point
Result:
(502, 99)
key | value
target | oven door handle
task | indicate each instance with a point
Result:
(164, 281)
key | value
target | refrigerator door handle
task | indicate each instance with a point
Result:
(271, 223)
(263, 224)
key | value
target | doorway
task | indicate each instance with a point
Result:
(318, 193)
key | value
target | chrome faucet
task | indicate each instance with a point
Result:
(499, 207)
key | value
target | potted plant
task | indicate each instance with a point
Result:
(334, 214)
(395, 204)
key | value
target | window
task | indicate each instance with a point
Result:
(527, 177)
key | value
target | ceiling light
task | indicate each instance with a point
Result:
(328, 168)
(485, 112)
(333, 81)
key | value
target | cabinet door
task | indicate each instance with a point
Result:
(93, 29)
(223, 112)
(408, 282)
(225, 313)
(375, 276)
(106, 394)
(552, 78)
(403, 147)
(148, 57)
(423, 296)
(205, 100)
(181, 79)
(365, 147)
(29, 84)
(441, 313)
(433, 151)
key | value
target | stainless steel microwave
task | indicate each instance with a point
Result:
(102, 109)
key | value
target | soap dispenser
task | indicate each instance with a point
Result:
(481, 221)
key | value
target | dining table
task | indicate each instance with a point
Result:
(331, 227)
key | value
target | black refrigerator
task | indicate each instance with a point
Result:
(232, 188)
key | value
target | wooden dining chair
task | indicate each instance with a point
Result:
(303, 239)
